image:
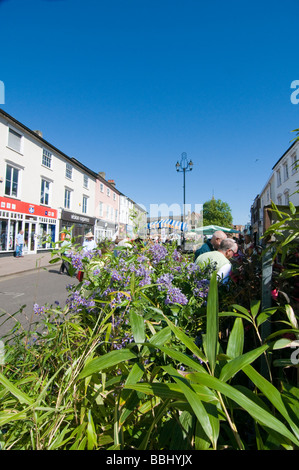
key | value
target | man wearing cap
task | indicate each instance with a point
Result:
(89, 243)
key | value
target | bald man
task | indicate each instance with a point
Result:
(220, 258)
(211, 245)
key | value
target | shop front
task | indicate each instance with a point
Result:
(79, 225)
(105, 230)
(39, 224)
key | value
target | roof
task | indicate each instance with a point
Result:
(293, 145)
(72, 160)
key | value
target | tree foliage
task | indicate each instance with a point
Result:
(217, 212)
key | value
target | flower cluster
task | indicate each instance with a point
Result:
(174, 294)
(77, 302)
(158, 253)
(76, 260)
(39, 310)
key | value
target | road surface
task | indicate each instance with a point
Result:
(41, 287)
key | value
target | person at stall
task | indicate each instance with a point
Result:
(89, 243)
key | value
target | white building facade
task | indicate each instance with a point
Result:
(43, 191)
(280, 188)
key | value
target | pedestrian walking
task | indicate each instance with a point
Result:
(66, 244)
(19, 244)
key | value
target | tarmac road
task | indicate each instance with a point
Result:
(44, 286)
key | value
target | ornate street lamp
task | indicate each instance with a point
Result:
(183, 166)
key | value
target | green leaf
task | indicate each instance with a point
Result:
(235, 365)
(21, 396)
(212, 323)
(195, 403)
(291, 316)
(257, 412)
(264, 315)
(242, 310)
(183, 358)
(189, 343)
(236, 340)
(271, 393)
(108, 360)
(254, 307)
(161, 337)
(137, 325)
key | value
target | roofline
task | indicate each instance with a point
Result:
(70, 159)
(296, 141)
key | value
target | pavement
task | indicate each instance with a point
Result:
(11, 266)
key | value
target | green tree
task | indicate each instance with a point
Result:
(217, 212)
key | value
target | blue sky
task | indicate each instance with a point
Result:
(126, 86)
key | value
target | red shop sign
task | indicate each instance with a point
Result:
(13, 205)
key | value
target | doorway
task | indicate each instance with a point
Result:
(30, 237)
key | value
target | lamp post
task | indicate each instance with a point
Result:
(183, 166)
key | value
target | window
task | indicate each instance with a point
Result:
(114, 197)
(108, 192)
(84, 205)
(15, 140)
(116, 215)
(278, 174)
(69, 171)
(294, 163)
(286, 198)
(11, 181)
(101, 187)
(47, 158)
(279, 200)
(67, 199)
(285, 171)
(45, 192)
(85, 181)
(101, 209)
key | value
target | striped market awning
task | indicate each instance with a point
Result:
(168, 223)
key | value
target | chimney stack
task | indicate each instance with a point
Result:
(102, 174)
(39, 133)
(112, 182)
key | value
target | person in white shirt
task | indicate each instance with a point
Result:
(19, 244)
(89, 243)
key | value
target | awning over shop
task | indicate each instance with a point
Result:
(168, 223)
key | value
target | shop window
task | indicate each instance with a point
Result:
(12, 181)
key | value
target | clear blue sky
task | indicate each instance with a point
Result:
(126, 86)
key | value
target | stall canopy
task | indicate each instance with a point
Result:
(168, 223)
(210, 229)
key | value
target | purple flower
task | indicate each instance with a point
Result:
(176, 296)
(158, 252)
(77, 302)
(165, 281)
(76, 260)
(38, 310)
